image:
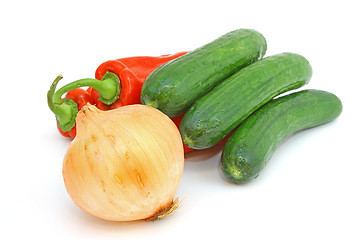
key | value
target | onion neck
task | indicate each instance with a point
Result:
(87, 112)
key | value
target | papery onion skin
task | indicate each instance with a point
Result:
(124, 164)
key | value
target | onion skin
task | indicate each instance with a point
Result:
(124, 164)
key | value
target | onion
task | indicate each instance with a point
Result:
(124, 164)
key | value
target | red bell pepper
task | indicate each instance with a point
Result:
(81, 98)
(130, 72)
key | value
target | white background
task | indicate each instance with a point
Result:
(310, 188)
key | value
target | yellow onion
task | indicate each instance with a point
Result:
(124, 164)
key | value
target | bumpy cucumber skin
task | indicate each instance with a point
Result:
(252, 144)
(216, 114)
(174, 86)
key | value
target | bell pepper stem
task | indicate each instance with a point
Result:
(108, 88)
(65, 111)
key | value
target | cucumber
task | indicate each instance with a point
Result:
(252, 144)
(220, 111)
(174, 86)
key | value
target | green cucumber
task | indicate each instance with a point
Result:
(174, 86)
(252, 144)
(216, 114)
